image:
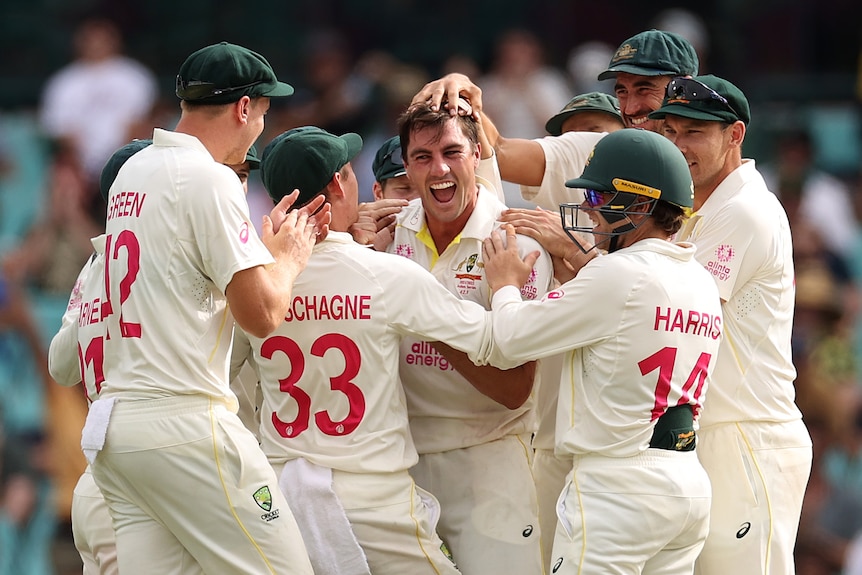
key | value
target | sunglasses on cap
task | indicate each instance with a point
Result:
(689, 89)
(596, 198)
(199, 90)
(394, 156)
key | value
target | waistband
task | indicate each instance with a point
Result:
(168, 406)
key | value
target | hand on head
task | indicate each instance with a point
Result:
(451, 88)
(318, 212)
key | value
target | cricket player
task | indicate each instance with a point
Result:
(640, 327)
(471, 425)
(76, 356)
(186, 484)
(754, 444)
(333, 412)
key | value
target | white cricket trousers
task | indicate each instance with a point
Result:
(91, 528)
(489, 513)
(759, 472)
(187, 485)
(645, 514)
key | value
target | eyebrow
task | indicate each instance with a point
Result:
(448, 148)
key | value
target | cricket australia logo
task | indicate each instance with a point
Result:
(263, 498)
(625, 52)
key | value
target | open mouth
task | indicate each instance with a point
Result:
(443, 192)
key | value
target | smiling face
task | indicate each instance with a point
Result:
(711, 150)
(441, 163)
(638, 96)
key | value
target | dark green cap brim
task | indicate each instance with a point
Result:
(636, 70)
(694, 114)
(281, 89)
(585, 184)
(252, 158)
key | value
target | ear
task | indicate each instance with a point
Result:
(477, 155)
(737, 133)
(242, 109)
(377, 189)
(335, 189)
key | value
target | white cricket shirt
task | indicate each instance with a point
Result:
(329, 373)
(565, 158)
(743, 239)
(446, 411)
(640, 328)
(177, 229)
(76, 353)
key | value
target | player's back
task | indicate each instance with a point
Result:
(339, 400)
(76, 353)
(177, 230)
(644, 323)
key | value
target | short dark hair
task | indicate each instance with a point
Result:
(421, 116)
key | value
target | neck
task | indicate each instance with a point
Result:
(210, 130)
(704, 190)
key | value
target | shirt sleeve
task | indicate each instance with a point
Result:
(219, 217)
(562, 320)
(63, 351)
(565, 158)
(488, 174)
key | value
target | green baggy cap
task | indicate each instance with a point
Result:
(305, 158)
(224, 73)
(653, 53)
(707, 98)
(589, 102)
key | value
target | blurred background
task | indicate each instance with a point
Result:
(82, 77)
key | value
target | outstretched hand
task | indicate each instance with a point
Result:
(503, 263)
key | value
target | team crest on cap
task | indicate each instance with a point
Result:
(624, 52)
(263, 498)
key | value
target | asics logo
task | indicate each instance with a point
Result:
(743, 530)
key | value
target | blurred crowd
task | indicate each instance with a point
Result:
(102, 98)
